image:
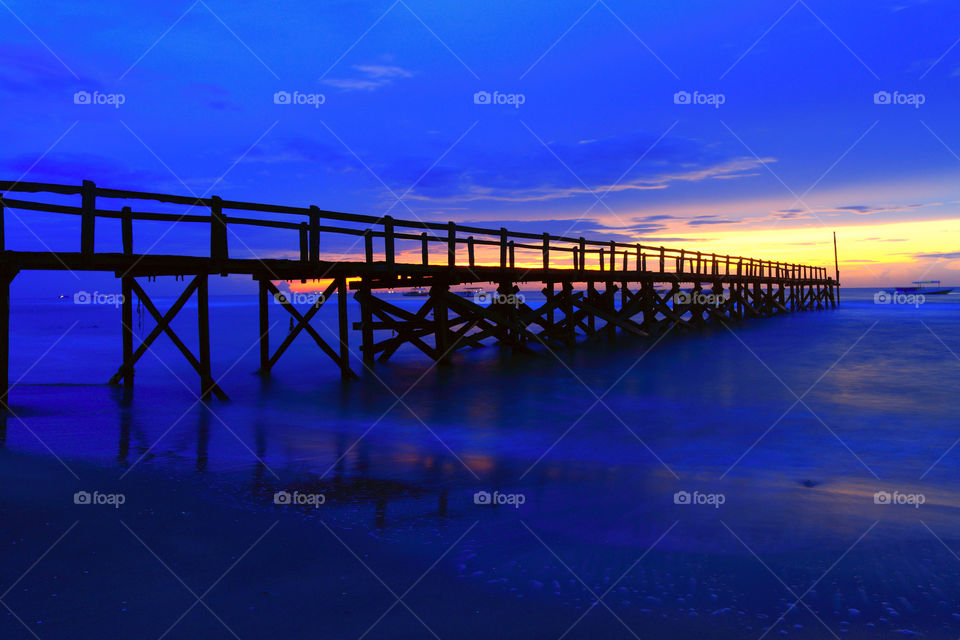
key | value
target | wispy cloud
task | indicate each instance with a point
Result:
(369, 77)
(734, 168)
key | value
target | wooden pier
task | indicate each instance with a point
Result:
(627, 288)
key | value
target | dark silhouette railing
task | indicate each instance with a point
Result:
(577, 253)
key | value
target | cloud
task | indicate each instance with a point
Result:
(369, 77)
(696, 223)
(566, 170)
(30, 70)
(301, 151)
(955, 255)
(70, 168)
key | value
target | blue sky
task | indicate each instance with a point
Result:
(599, 145)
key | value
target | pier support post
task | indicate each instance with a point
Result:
(366, 323)
(345, 372)
(126, 288)
(611, 308)
(6, 277)
(592, 298)
(264, 298)
(441, 318)
(566, 306)
(203, 327)
(548, 292)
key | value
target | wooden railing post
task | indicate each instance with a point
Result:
(583, 254)
(503, 248)
(389, 244)
(602, 255)
(679, 265)
(218, 231)
(314, 234)
(424, 249)
(368, 246)
(451, 244)
(613, 256)
(304, 242)
(546, 250)
(126, 231)
(88, 197)
(639, 259)
(471, 258)
(663, 259)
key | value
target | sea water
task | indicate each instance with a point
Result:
(795, 475)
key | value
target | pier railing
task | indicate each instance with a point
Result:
(382, 235)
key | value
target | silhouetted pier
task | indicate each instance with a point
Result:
(633, 288)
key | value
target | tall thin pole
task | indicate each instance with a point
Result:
(836, 266)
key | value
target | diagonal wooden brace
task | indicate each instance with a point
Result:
(303, 324)
(163, 326)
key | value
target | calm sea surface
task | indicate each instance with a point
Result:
(717, 483)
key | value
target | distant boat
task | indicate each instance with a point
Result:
(417, 292)
(470, 292)
(933, 290)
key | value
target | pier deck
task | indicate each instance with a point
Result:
(627, 287)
